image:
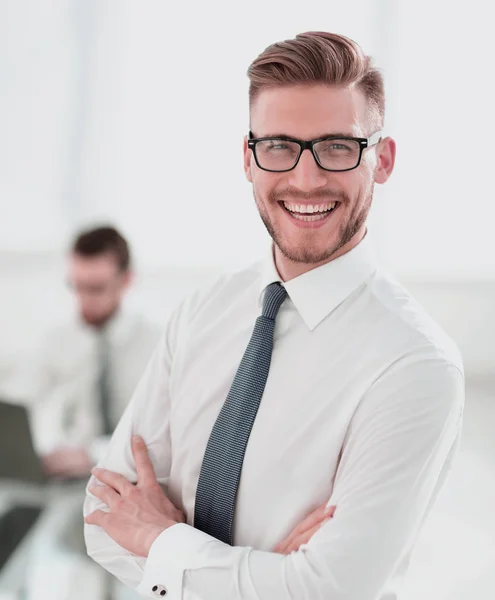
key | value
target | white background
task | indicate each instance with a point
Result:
(135, 112)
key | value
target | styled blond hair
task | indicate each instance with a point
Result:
(318, 57)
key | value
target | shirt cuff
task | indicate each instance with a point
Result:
(176, 549)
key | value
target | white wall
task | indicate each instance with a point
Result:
(34, 298)
(115, 116)
(442, 212)
(37, 96)
(105, 97)
(108, 103)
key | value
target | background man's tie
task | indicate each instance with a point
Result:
(103, 382)
(222, 462)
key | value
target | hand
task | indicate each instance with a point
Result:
(67, 462)
(138, 513)
(305, 530)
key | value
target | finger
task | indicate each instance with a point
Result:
(282, 547)
(114, 480)
(144, 467)
(180, 517)
(312, 519)
(305, 537)
(106, 494)
(316, 517)
(98, 517)
(279, 548)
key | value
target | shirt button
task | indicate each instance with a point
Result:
(159, 590)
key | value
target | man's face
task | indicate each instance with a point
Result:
(307, 113)
(98, 285)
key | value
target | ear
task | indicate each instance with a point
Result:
(247, 160)
(127, 278)
(385, 155)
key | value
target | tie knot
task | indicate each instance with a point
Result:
(275, 294)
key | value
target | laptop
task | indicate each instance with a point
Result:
(18, 458)
(19, 462)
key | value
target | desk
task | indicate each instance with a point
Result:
(44, 565)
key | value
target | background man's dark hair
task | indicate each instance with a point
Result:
(103, 240)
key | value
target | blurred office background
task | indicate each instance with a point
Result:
(134, 112)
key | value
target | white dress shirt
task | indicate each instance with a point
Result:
(362, 409)
(63, 386)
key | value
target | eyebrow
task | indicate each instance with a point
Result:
(284, 136)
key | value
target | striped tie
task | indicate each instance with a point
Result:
(222, 462)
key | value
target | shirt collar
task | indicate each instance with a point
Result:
(316, 293)
(115, 331)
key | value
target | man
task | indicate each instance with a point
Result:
(345, 394)
(88, 369)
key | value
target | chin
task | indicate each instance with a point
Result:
(306, 254)
(310, 247)
(93, 320)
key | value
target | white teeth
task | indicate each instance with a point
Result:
(309, 208)
(309, 217)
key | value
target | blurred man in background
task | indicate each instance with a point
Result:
(87, 369)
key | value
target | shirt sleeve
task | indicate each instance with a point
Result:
(53, 396)
(147, 415)
(396, 456)
(98, 448)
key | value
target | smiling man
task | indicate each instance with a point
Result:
(299, 417)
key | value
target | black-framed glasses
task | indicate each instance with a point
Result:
(333, 153)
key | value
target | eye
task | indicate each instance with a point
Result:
(337, 147)
(279, 145)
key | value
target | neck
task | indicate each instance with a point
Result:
(102, 323)
(289, 269)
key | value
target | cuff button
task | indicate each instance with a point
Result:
(159, 590)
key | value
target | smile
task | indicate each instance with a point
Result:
(309, 212)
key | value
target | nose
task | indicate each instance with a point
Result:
(307, 175)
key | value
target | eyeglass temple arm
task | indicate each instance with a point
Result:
(375, 138)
